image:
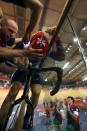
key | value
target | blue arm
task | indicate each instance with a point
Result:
(59, 54)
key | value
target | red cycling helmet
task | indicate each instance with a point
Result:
(39, 41)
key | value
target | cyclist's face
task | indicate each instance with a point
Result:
(8, 31)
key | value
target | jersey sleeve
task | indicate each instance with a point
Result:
(19, 45)
(10, 42)
(59, 54)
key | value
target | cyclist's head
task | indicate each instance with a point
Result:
(39, 41)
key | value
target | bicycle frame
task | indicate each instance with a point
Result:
(25, 97)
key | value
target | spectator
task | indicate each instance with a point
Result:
(73, 117)
(57, 117)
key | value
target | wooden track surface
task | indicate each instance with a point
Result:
(45, 94)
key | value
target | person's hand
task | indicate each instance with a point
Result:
(33, 53)
(26, 37)
(51, 30)
(68, 107)
(22, 62)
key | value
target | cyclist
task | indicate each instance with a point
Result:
(19, 77)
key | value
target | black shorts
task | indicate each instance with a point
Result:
(21, 76)
(16, 2)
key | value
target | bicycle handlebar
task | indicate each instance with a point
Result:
(58, 70)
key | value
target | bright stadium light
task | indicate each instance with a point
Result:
(65, 66)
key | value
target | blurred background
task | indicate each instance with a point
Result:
(73, 33)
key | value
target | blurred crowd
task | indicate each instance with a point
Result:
(64, 114)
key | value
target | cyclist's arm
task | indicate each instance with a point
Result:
(1, 13)
(36, 9)
(59, 53)
(7, 52)
(6, 69)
